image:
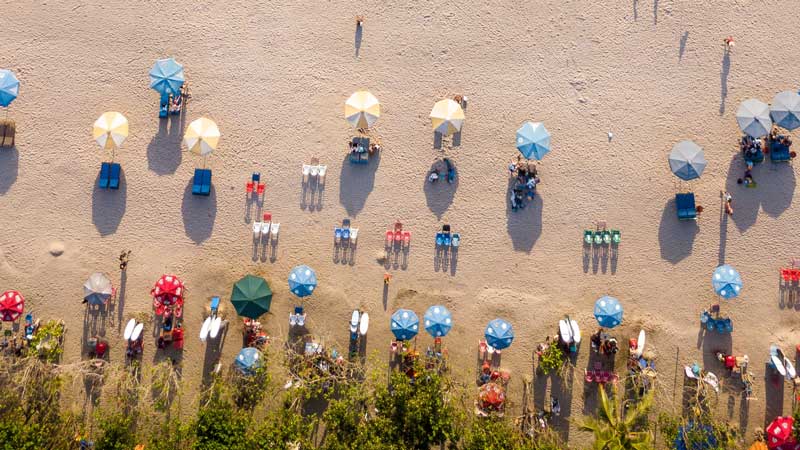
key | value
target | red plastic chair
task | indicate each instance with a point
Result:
(389, 237)
(795, 274)
(260, 188)
(589, 376)
(267, 217)
(603, 377)
(786, 274)
(249, 187)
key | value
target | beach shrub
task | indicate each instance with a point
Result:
(617, 427)
(249, 389)
(116, 432)
(47, 341)
(219, 426)
(283, 426)
(171, 434)
(494, 434)
(552, 359)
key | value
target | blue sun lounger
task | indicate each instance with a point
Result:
(779, 152)
(109, 175)
(201, 185)
(686, 207)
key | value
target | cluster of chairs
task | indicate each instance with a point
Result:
(298, 318)
(201, 183)
(359, 150)
(600, 376)
(445, 239)
(685, 204)
(345, 235)
(255, 186)
(109, 175)
(398, 237)
(314, 171)
(780, 149)
(266, 230)
(790, 275)
(602, 237)
(720, 325)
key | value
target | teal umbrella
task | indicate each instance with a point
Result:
(251, 296)
(533, 140)
(9, 87)
(166, 77)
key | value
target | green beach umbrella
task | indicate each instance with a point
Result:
(251, 296)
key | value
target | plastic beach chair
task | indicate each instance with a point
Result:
(456, 240)
(322, 170)
(795, 274)
(337, 235)
(353, 236)
(588, 236)
(260, 188)
(598, 237)
(786, 274)
(306, 172)
(589, 375)
(389, 237)
(314, 171)
(439, 239)
(249, 187)
(406, 238)
(113, 175)
(606, 237)
(447, 239)
(257, 230)
(615, 237)
(275, 228)
(105, 169)
(266, 225)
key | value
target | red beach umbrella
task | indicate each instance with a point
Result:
(12, 303)
(168, 291)
(779, 433)
(492, 395)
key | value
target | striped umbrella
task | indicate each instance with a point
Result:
(12, 304)
(533, 140)
(202, 136)
(447, 117)
(97, 289)
(785, 110)
(753, 118)
(362, 109)
(110, 130)
(687, 160)
(9, 87)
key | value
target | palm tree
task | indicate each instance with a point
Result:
(614, 429)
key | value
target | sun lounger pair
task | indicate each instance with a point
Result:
(686, 206)
(314, 171)
(448, 240)
(201, 184)
(790, 275)
(600, 376)
(602, 237)
(298, 318)
(263, 230)
(109, 175)
(8, 130)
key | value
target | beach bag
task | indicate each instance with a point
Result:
(7, 131)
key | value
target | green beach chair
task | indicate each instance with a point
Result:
(615, 237)
(598, 237)
(588, 236)
(606, 237)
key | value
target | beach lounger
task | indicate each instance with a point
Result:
(389, 237)
(113, 175)
(686, 206)
(337, 235)
(616, 237)
(482, 349)
(439, 239)
(256, 230)
(274, 229)
(588, 375)
(8, 130)
(105, 169)
(779, 152)
(201, 183)
(598, 237)
(346, 231)
(249, 187)
(353, 236)
(795, 274)
(447, 239)
(588, 236)
(606, 237)
(314, 171)
(306, 172)
(260, 188)
(407, 238)
(456, 240)
(322, 171)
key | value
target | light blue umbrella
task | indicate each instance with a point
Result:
(785, 110)
(726, 281)
(438, 321)
(248, 360)
(533, 140)
(608, 312)
(687, 160)
(499, 334)
(302, 281)
(9, 87)
(405, 324)
(753, 118)
(166, 77)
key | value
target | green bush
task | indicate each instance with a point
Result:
(116, 432)
(220, 427)
(552, 359)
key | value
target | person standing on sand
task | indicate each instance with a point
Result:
(728, 43)
(123, 259)
(726, 196)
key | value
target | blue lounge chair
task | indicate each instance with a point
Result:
(686, 207)
(451, 170)
(446, 239)
(164, 108)
(337, 235)
(207, 182)
(105, 170)
(779, 152)
(113, 175)
(439, 239)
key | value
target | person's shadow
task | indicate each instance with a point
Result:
(356, 181)
(723, 80)
(524, 226)
(164, 150)
(199, 213)
(675, 237)
(359, 36)
(9, 168)
(108, 205)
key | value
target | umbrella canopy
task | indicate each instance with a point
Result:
(726, 281)
(12, 304)
(362, 109)
(97, 289)
(785, 110)
(779, 432)
(438, 321)
(166, 77)
(110, 130)
(405, 324)
(753, 118)
(302, 281)
(492, 395)
(499, 334)
(248, 360)
(251, 296)
(168, 290)
(447, 117)
(608, 312)
(533, 140)
(687, 160)
(9, 87)
(202, 136)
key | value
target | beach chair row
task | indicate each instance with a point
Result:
(345, 236)
(600, 376)
(266, 229)
(790, 275)
(600, 237)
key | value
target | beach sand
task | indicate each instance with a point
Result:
(275, 77)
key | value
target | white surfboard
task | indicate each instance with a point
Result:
(790, 372)
(576, 331)
(639, 344)
(354, 321)
(564, 331)
(216, 324)
(776, 361)
(205, 329)
(364, 324)
(129, 329)
(137, 331)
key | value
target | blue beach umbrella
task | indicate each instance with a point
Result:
(248, 360)
(405, 324)
(166, 77)
(753, 118)
(608, 312)
(785, 110)
(438, 321)
(687, 160)
(499, 334)
(726, 281)
(533, 140)
(9, 87)
(302, 281)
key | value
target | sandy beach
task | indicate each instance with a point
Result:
(275, 77)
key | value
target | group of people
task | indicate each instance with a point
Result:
(604, 343)
(525, 178)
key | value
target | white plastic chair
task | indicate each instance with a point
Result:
(353, 235)
(292, 320)
(322, 170)
(265, 229)
(256, 230)
(306, 172)
(301, 320)
(314, 171)
(275, 228)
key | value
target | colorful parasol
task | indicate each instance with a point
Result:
(12, 304)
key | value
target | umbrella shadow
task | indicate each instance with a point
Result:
(675, 237)
(723, 81)
(108, 205)
(774, 194)
(199, 214)
(164, 150)
(524, 226)
(439, 195)
(9, 168)
(356, 182)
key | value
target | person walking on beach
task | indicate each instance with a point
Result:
(123, 259)
(728, 43)
(726, 196)
(387, 277)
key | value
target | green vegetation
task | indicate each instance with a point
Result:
(552, 359)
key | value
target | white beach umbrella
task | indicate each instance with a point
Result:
(785, 110)
(753, 118)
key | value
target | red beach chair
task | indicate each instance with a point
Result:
(249, 187)
(406, 238)
(389, 237)
(589, 375)
(260, 188)
(795, 273)
(482, 349)
(786, 274)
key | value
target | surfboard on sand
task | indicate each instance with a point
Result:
(205, 329)
(215, 326)
(363, 326)
(354, 321)
(565, 331)
(640, 344)
(576, 331)
(137, 331)
(129, 329)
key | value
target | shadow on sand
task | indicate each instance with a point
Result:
(524, 225)
(199, 213)
(356, 182)
(164, 150)
(108, 205)
(675, 237)
(776, 184)
(9, 168)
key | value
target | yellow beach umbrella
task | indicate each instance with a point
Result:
(447, 117)
(202, 136)
(362, 109)
(110, 130)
